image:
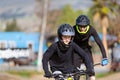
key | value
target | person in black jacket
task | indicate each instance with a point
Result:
(59, 55)
(83, 31)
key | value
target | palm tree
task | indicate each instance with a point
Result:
(102, 11)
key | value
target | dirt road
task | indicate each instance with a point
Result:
(6, 76)
(115, 76)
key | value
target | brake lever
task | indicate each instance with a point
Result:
(97, 64)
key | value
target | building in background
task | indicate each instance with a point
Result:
(16, 44)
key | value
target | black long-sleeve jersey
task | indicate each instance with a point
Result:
(83, 39)
(62, 60)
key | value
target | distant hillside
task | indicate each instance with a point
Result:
(19, 8)
(16, 8)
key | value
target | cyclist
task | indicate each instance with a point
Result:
(60, 54)
(83, 31)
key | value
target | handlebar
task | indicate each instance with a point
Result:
(80, 72)
(97, 64)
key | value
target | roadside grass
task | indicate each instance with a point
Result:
(100, 75)
(25, 73)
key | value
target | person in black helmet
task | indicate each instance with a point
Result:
(83, 31)
(59, 55)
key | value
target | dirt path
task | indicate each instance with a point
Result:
(6, 76)
(115, 76)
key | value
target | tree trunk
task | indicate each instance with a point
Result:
(104, 30)
(44, 21)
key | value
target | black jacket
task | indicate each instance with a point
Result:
(62, 60)
(83, 39)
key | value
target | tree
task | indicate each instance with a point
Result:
(44, 21)
(68, 15)
(56, 17)
(114, 27)
(102, 11)
(52, 20)
(12, 26)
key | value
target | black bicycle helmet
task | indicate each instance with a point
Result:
(64, 30)
(82, 21)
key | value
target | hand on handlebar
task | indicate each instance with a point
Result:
(48, 75)
(90, 71)
(104, 61)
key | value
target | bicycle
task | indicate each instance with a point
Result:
(71, 76)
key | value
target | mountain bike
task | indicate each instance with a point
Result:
(71, 76)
